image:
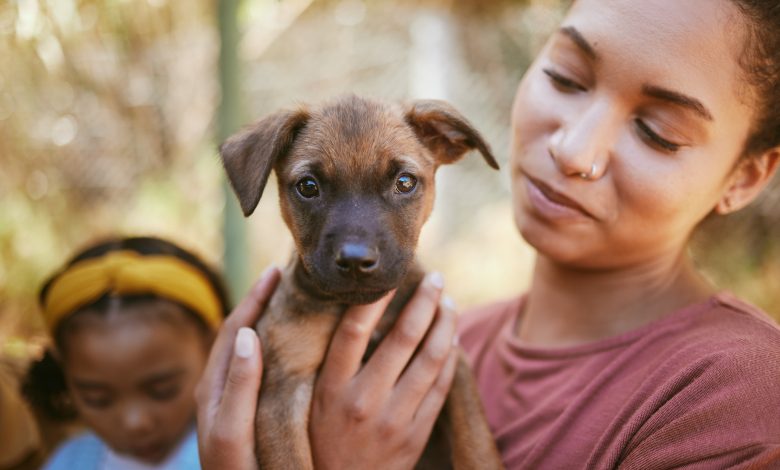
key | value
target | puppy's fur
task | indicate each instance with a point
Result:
(356, 184)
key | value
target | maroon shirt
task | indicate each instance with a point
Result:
(699, 388)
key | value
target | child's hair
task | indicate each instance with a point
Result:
(45, 385)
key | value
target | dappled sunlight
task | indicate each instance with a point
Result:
(108, 118)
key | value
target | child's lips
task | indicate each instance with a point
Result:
(150, 453)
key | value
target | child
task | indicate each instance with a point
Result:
(132, 321)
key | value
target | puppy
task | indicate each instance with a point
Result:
(356, 184)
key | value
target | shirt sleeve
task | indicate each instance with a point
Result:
(727, 415)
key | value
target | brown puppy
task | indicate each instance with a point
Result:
(356, 184)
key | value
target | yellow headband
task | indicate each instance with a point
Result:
(128, 272)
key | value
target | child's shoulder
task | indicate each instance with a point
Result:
(82, 451)
(187, 456)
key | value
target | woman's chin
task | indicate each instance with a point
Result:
(557, 247)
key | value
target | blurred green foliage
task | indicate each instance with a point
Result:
(107, 125)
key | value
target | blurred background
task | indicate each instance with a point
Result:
(111, 112)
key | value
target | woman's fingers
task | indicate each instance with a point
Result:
(381, 415)
(426, 366)
(208, 393)
(227, 392)
(350, 340)
(234, 416)
(396, 349)
(431, 405)
(227, 442)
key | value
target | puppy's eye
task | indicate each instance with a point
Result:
(405, 183)
(307, 188)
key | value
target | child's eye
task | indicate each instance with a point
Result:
(655, 140)
(164, 392)
(563, 83)
(96, 400)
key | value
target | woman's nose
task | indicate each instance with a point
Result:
(583, 143)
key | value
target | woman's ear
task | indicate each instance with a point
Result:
(747, 181)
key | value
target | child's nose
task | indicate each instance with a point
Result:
(136, 418)
(583, 143)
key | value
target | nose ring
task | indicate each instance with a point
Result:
(588, 176)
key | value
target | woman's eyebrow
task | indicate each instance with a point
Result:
(572, 33)
(649, 90)
(677, 98)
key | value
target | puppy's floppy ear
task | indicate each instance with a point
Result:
(445, 132)
(249, 155)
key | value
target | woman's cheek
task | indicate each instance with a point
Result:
(536, 111)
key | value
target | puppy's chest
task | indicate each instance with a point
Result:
(295, 329)
(294, 336)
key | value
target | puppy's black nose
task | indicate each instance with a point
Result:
(355, 258)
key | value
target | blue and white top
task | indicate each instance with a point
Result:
(87, 452)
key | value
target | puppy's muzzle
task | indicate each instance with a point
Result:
(357, 260)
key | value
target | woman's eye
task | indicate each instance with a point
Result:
(405, 183)
(307, 187)
(562, 82)
(655, 140)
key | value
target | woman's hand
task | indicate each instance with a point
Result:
(227, 392)
(380, 415)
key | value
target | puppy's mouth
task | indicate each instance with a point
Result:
(357, 297)
(352, 291)
(333, 287)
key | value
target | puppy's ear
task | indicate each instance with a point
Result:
(249, 155)
(445, 132)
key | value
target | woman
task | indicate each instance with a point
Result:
(636, 121)
(132, 321)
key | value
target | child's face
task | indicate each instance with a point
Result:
(652, 93)
(132, 376)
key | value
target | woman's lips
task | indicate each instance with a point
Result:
(551, 203)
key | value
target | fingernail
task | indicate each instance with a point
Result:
(455, 340)
(245, 344)
(436, 279)
(448, 303)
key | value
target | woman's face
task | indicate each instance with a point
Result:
(132, 375)
(649, 92)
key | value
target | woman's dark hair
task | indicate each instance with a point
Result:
(45, 386)
(760, 62)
